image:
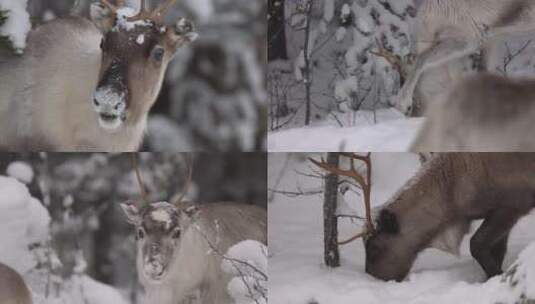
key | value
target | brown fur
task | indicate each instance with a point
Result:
(448, 193)
(46, 96)
(483, 113)
(13, 290)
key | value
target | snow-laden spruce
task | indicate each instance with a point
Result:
(17, 25)
(375, 25)
(24, 224)
(21, 171)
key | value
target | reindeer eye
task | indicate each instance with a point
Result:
(157, 53)
(176, 233)
(140, 234)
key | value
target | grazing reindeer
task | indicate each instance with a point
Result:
(13, 290)
(483, 113)
(180, 248)
(446, 195)
(85, 85)
(452, 29)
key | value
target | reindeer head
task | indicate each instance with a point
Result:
(388, 257)
(137, 49)
(160, 228)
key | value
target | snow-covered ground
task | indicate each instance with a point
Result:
(391, 132)
(25, 247)
(296, 269)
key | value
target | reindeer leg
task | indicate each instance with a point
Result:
(489, 243)
(441, 53)
(499, 249)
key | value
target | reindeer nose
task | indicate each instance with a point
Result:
(154, 250)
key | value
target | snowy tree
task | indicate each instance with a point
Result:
(371, 26)
(343, 70)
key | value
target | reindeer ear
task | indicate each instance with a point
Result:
(191, 211)
(188, 215)
(132, 212)
(102, 17)
(388, 222)
(181, 34)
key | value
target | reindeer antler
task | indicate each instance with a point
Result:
(110, 6)
(189, 163)
(143, 14)
(156, 15)
(395, 61)
(364, 183)
(113, 8)
(159, 13)
(139, 178)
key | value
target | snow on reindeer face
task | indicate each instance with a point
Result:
(159, 227)
(135, 56)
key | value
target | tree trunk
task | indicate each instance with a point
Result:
(307, 72)
(276, 31)
(330, 221)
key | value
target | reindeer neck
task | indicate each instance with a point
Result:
(423, 207)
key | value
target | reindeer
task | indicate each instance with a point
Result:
(180, 246)
(449, 30)
(483, 113)
(88, 85)
(436, 206)
(13, 290)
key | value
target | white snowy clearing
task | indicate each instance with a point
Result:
(298, 274)
(24, 222)
(17, 24)
(392, 132)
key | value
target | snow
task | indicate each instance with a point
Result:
(298, 275)
(328, 10)
(392, 133)
(140, 39)
(21, 171)
(249, 283)
(24, 221)
(122, 23)
(161, 215)
(249, 251)
(18, 23)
